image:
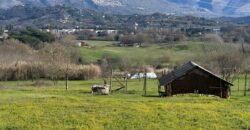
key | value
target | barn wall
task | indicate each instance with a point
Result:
(200, 82)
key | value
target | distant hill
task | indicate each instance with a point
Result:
(68, 17)
(205, 8)
(239, 20)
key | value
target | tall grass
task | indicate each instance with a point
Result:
(30, 71)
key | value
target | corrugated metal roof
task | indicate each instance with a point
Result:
(170, 77)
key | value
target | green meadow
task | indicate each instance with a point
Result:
(41, 105)
(151, 53)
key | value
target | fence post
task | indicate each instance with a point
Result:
(139, 75)
(238, 84)
(245, 89)
(110, 82)
(126, 83)
(221, 89)
(66, 80)
(145, 83)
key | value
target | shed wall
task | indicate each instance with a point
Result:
(197, 81)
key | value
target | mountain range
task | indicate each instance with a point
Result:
(61, 16)
(205, 8)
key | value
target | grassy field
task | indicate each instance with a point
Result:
(29, 105)
(175, 52)
(142, 54)
(42, 105)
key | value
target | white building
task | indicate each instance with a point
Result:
(109, 31)
(4, 34)
(150, 75)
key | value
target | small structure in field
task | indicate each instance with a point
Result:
(100, 89)
(150, 75)
(81, 44)
(4, 35)
(192, 78)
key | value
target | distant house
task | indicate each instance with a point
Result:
(192, 78)
(107, 31)
(4, 35)
(216, 30)
(61, 31)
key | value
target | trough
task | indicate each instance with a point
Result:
(100, 89)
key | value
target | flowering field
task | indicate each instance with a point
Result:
(41, 105)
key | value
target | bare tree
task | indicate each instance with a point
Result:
(140, 38)
(55, 56)
(227, 64)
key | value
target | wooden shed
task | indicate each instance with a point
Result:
(192, 78)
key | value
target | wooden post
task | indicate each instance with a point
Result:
(159, 88)
(220, 89)
(66, 80)
(168, 90)
(238, 84)
(145, 84)
(248, 85)
(245, 89)
(126, 83)
(139, 74)
(110, 82)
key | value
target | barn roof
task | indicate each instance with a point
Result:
(170, 77)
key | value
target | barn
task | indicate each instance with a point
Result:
(193, 78)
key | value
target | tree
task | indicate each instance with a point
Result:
(73, 50)
(227, 64)
(127, 40)
(57, 60)
(33, 36)
(140, 38)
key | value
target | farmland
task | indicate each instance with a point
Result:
(41, 105)
(150, 53)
